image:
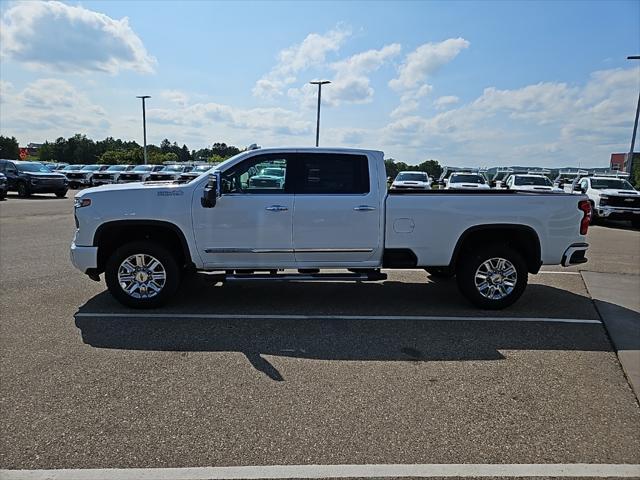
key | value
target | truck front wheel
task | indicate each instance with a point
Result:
(142, 274)
(492, 277)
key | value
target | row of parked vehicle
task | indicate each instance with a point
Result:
(27, 178)
(472, 180)
(610, 193)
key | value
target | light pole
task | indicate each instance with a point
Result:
(629, 162)
(319, 83)
(144, 125)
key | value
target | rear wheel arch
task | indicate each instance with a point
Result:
(521, 238)
(112, 235)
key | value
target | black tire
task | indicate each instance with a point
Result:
(470, 262)
(23, 189)
(61, 193)
(159, 252)
(3, 194)
(440, 272)
(635, 223)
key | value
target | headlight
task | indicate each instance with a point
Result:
(604, 199)
(81, 202)
(33, 180)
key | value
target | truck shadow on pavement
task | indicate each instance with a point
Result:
(409, 340)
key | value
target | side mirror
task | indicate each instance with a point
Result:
(577, 188)
(210, 194)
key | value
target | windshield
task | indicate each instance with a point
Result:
(202, 168)
(412, 177)
(91, 168)
(33, 167)
(72, 167)
(142, 168)
(172, 168)
(116, 168)
(539, 181)
(603, 183)
(466, 179)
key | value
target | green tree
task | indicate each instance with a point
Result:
(9, 148)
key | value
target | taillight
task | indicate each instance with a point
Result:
(585, 206)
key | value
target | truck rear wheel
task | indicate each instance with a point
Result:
(142, 275)
(492, 277)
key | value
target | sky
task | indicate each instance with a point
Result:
(465, 83)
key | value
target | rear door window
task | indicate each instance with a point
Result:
(329, 173)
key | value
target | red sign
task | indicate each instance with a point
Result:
(23, 153)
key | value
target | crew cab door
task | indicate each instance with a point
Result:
(251, 223)
(337, 216)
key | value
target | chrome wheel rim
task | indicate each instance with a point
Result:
(142, 276)
(496, 278)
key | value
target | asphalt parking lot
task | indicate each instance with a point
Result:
(299, 374)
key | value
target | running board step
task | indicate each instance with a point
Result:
(302, 277)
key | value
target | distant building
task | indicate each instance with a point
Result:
(617, 161)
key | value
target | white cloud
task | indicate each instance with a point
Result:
(256, 121)
(50, 108)
(175, 96)
(549, 124)
(445, 101)
(68, 38)
(351, 82)
(425, 61)
(312, 51)
(418, 66)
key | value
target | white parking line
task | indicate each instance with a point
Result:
(582, 470)
(224, 316)
(559, 273)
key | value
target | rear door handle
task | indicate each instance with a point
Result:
(277, 208)
(363, 208)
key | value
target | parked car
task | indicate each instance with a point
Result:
(269, 177)
(195, 173)
(32, 177)
(70, 168)
(110, 175)
(466, 181)
(169, 172)
(84, 176)
(412, 181)
(139, 173)
(530, 183)
(3, 186)
(146, 237)
(611, 198)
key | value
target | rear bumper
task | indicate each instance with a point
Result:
(84, 258)
(575, 254)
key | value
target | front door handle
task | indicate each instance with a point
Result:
(277, 208)
(363, 208)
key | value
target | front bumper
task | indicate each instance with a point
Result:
(575, 254)
(103, 181)
(620, 213)
(84, 258)
(48, 187)
(79, 181)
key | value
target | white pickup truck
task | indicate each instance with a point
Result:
(332, 211)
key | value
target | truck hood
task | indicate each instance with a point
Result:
(481, 186)
(168, 185)
(410, 183)
(536, 188)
